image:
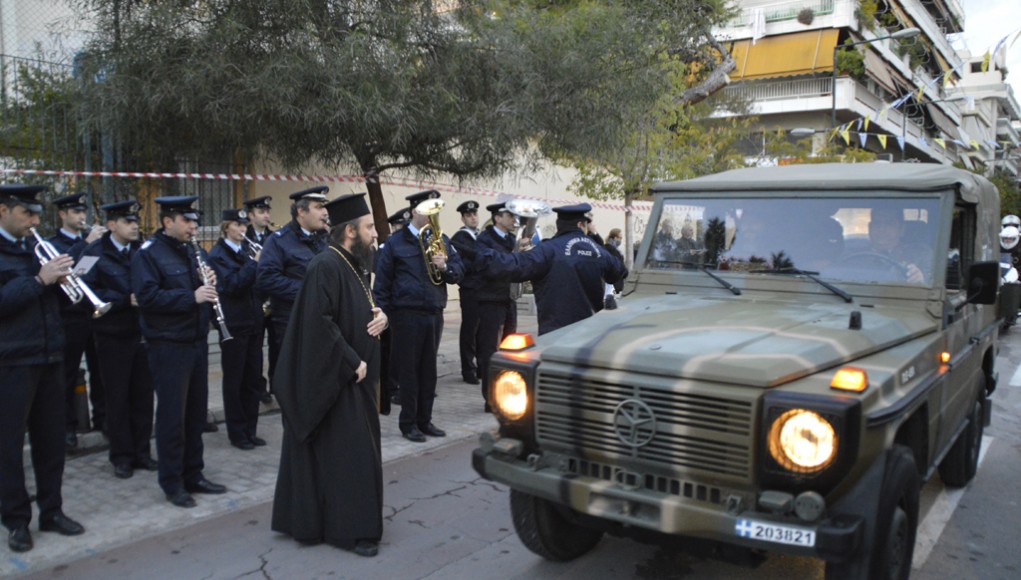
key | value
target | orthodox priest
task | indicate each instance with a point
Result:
(327, 384)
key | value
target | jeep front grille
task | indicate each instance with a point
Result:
(668, 485)
(695, 428)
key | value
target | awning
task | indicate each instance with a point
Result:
(945, 125)
(786, 55)
(877, 68)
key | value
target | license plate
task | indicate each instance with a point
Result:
(775, 533)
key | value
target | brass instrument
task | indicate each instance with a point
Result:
(253, 248)
(430, 237)
(217, 309)
(73, 286)
(529, 211)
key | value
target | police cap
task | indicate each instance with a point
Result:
(468, 207)
(258, 203)
(495, 208)
(402, 217)
(574, 213)
(417, 198)
(179, 204)
(25, 195)
(317, 193)
(234, 215)
(121, 209)
(346, 208)
(73, 201)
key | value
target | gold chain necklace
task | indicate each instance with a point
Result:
(357, 276)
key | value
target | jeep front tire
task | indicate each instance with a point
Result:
(545, 530)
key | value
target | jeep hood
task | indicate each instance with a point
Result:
(738, 341)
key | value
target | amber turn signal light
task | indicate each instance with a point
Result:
(850, 379)
(517, 342)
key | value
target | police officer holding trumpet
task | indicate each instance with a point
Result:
(31, 373)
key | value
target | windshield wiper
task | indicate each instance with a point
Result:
(734, 289)
(811, 276)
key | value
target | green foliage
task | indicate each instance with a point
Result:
(1010, 195)
(866, 13)
(39, 125)
(789, 149)
(850, 61)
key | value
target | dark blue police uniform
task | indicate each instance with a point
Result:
(282, 266)
(268, 331)
(414, 306)
(495, 303)
(123, 356)
(31, 381)
(78, 334)
(464, 240)
(241, 358)
(568, 271)
(164, 277)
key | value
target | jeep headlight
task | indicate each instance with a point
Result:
(802, 441)
(510, 394)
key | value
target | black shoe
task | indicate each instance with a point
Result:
(257, 441)
(486, 408)
(433, 431)
(266, 398)
(99, 425)
(210, 427)
(205, 486)
(20, 539)
(61, 524)
(71, 440)
(414, 435)
(147, 463)
(395, 399)
(123, 470)
(181, 499)
(245, 445)
(366, 548)
(471, 380)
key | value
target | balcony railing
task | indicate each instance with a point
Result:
(788, 89)
(782, 11)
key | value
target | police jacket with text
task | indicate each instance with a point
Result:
(568, 272)
(282, 266)
(164, 277)
(31, 329)
(494, 288)
(235, 283)
(72, 247)
(110, 279)
(402, 281)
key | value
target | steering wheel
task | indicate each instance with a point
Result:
(885, 260)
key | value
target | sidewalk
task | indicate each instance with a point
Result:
(116, 512)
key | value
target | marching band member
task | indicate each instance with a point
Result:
(258, 231)
(469, 288)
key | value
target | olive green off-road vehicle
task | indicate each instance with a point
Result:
(798, 349)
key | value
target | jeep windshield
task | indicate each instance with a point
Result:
(868, 240)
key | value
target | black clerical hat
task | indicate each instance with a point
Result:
(25, 195)
(417, 198)
(468, 207)
(402, 217)
(574, 213)
(180, 204)
(346, 208)
(121, 209)
(258, 203)
(317, 193)
(234, 215)
(73, 201)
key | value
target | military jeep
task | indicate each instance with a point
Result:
(798, 349)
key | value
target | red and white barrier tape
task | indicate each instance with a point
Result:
(395, 182)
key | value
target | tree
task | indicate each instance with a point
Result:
(384, 84)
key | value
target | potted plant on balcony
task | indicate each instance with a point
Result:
(806, 16)
(850, 61)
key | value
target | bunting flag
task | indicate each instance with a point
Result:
(900, 142)
(858, 122)
(985, 61)
(958, 142)
(863, 137)
(882, 141)
(974, 144)
(921, 91)
(940, 142)
(993, 144)
(866, 122)
(1015, 38)
(847, 136)
(923, 142)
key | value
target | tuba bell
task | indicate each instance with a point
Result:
(430, 238)
(528, 211)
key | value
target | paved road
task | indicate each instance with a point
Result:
(442, 521)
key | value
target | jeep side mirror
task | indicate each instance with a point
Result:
(983, 282)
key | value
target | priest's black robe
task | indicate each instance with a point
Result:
(330, 485)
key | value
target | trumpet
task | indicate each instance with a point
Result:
(253, 248)
(430, 237)
(73, 286)
(217, 309)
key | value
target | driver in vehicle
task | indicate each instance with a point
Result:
(886, 236)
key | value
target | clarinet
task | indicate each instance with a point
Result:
(224, 333)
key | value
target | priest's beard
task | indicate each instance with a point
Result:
(362, 252)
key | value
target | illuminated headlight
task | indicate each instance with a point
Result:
(802, 441)
(510, 394)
